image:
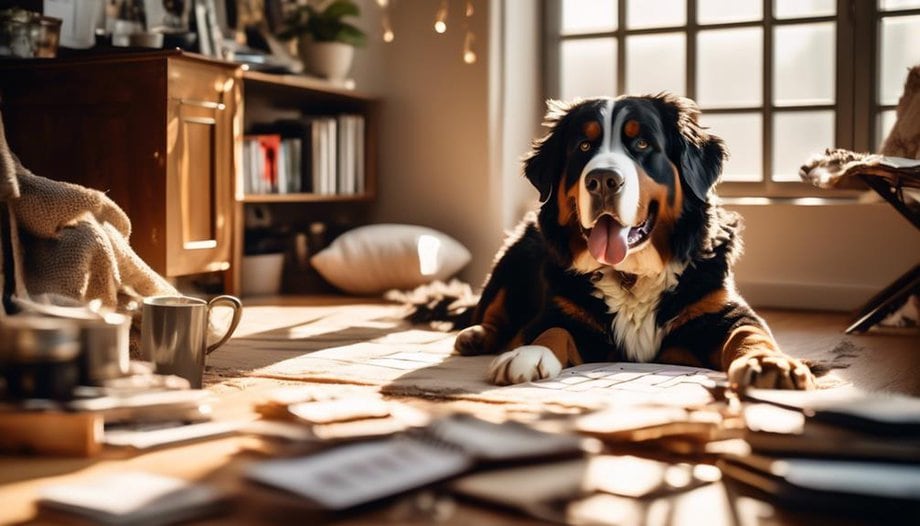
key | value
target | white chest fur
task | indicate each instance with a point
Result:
(634, 327)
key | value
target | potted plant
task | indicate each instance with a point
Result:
(325, 41)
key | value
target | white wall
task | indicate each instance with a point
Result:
(444, 161)
(831, 257)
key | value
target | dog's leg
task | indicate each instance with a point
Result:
(721, 331)
(752, 358)
(543, 358)
(490, 334)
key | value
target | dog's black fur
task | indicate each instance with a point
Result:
(544, 279)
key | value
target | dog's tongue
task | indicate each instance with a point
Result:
(607, 241)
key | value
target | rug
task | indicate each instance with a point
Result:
(372, 345)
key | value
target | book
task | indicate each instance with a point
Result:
(50, 432)
(876, 413)
(133, 499)
(838, 485)
(775, 430)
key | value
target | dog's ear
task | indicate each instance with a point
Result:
(701, 154)
(546, 159)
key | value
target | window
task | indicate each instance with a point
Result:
(779, 80)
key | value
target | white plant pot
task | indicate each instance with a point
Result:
(330, 60)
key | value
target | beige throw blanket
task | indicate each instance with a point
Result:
(69, 243)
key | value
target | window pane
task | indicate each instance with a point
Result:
(721, 11)
(742, 134)
(588, 68)
(888, 5)
(804, 64)
(655, 13)
(588, 16)
(797, 137)
(885, 124)
(656, 63)
(730, 67)
(900, 40)
(803, 8)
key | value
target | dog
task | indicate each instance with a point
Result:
(629, 256)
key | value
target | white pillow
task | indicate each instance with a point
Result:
(375, 258)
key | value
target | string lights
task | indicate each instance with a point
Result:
(469, 56)
(440, 25)
(386, 25)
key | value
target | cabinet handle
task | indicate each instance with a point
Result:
(220, 106)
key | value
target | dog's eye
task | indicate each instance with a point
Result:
(642, 145)
(584, 146)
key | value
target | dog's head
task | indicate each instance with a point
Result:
(625, 181)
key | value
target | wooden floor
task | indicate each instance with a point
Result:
(887, 361)
(880, 360)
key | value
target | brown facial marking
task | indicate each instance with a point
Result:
(562, 344)
(574, 311)
(650, 190)
(631, 129)
(564, 201)
(679, 356)
(712, 303)
(592, 130)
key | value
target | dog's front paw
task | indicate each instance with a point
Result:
(524, 364)
(770, 371)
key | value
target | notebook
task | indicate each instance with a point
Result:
(355, 474)
(133, 499)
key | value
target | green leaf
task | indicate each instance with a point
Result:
(350, 34)
(340, 9)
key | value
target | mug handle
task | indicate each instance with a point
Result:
(237, 307)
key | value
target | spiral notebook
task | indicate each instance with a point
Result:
(355, 474)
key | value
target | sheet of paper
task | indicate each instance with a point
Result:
(625, 383)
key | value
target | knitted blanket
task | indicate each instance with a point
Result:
(69, 243)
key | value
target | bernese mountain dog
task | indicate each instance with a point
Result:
(629, 257)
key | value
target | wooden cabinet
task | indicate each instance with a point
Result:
(161, 132)
(157, 131)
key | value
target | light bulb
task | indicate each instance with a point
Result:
(440, 18)
(469, 56)
(388, 35)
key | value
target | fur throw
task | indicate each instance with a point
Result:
(67, 242)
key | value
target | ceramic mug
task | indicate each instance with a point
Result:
(174, 333)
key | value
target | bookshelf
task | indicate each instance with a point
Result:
(268, 99)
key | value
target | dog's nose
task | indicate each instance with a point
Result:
(603, 182)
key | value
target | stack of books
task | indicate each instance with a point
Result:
(316, 154)
(836, 450)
